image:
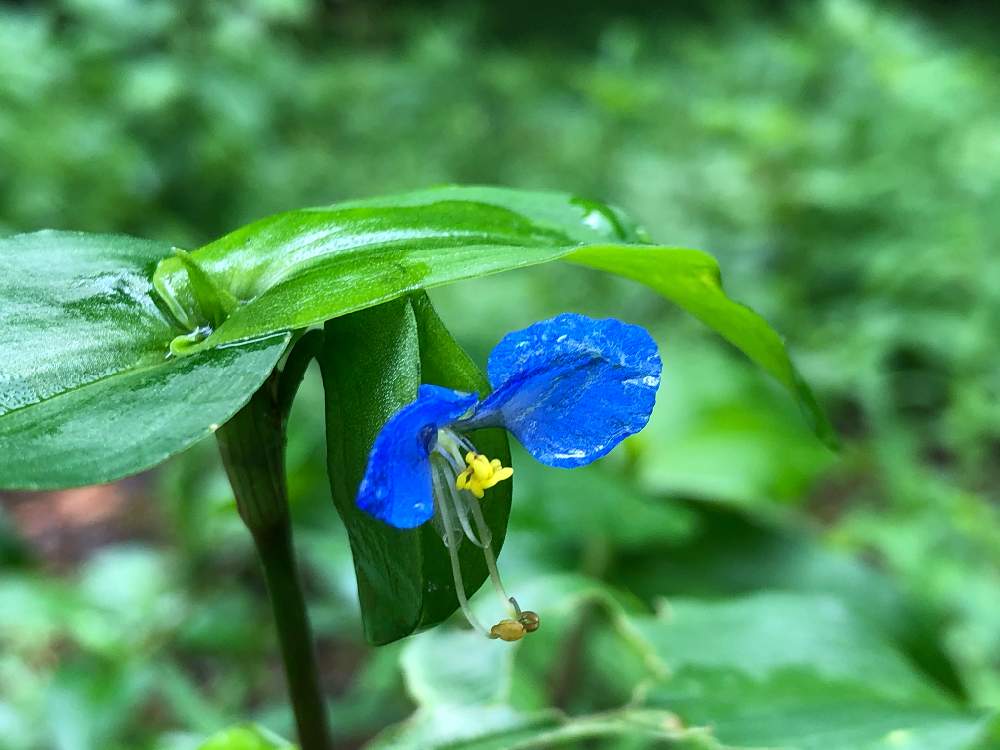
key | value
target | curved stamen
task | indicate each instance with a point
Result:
(455, 501)
(451, 542)
(491, 563)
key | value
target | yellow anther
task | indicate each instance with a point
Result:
(481, 473)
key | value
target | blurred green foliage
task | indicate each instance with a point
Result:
(842, 160)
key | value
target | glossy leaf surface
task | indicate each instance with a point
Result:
(372, 362)
(87, 392)
(302, 267)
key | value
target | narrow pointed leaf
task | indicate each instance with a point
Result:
(301, 268)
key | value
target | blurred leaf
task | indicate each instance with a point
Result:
(88, 392)
(797, 709)
(371, 364)
(246, 737)
(798, 671)
(502, 728)
(769, 670)
(730, 553)
(767, 633)
(721, 433)
(593, 504)
(14, 551)
(468, 689)
(482, 675)
(300, 268)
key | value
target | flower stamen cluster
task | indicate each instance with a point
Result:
(481, 474)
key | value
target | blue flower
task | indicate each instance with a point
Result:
(569, 389)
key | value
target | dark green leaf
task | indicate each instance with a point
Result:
(301, 268)
(87, 391)
(372, 363)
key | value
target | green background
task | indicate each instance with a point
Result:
(841, 159)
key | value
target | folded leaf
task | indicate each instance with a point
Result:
(372, 363)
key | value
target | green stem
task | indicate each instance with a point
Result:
(252, 445)
(295, 635)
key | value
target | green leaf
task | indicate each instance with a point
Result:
(301, 268)
(473, 702)
(503, 728)
(776, 671)
(797, 709)
(214, 303)
(245, 737)
(766, 634)
(372, 363)
(798, 671)
(87, 391)
(484, 698)
(729, 553)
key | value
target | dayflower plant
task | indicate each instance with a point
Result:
(569, 389)
(120, 352)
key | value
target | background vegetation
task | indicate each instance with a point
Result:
(841, 158)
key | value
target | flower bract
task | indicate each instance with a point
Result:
(569, 389)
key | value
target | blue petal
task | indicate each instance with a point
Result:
(571, 388)
(397, 485)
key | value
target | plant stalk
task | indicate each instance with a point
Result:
(252, 445)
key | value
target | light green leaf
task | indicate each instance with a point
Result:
(246, 737)
(372, 363)
(502, 728)
(435, 677)
(301, 268)
(87, 391)
(480, 700)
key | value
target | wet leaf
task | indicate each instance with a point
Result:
(87, 391)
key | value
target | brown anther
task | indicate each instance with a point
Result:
(529, 620)
(508, 630)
